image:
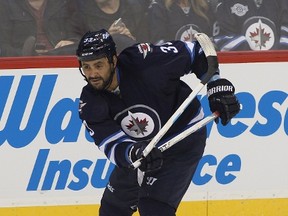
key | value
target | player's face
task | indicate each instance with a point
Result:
(98, 72)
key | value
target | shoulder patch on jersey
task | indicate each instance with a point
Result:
(144, 48)
(239, 9)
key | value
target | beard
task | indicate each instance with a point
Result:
(100, 83)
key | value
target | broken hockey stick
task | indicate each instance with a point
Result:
(211, 56)
(188, 131)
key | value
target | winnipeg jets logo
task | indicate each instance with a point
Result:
(137, 125)
(185, 33)
(144, 48)
(81, 105)
(139, 121)
(260, 36)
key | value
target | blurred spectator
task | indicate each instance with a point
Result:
(252, 25)
(35, 27)
(179, 19)
(117, 16)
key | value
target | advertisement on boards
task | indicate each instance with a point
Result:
(47, 157)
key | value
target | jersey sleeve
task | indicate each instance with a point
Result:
(94, 112)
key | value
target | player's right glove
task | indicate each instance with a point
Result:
(153, 161)
(222, 99)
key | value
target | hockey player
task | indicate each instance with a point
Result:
(252, 25)
(127, 100)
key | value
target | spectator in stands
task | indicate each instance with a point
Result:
(179, 19)
(252, 25)
(33, 27)
(117, 16)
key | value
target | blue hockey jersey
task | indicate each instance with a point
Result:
(150, 91)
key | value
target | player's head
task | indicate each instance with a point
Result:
(95, 45)
(97, 58)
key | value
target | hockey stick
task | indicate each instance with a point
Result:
(188, 131)
(212, 61)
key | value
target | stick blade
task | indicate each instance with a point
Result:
(206, 44)
(210, 53)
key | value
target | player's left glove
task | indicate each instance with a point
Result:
(222, 99)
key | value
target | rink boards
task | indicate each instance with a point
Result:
(49, 164)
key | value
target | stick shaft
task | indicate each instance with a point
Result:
(188, 132)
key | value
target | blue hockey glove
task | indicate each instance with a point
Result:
(153, 160)
(222, 99)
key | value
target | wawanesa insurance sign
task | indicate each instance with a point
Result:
(47, 157)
